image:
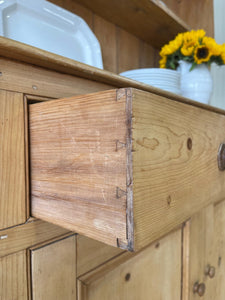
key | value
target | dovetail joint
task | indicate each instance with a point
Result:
(120, 93)
(120, 145)
(120, 193)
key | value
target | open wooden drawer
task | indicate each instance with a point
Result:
(123, 166)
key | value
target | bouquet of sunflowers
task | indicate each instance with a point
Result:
(193, 47)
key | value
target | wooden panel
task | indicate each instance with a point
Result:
(34, 56)
(185, 260)
(151, 20)
(91, 254)
(207, 248)
(12, 161)
(41, 82)
(54, 271)
(106, 34)
(175, 170)
(154, 273)
(189, 11)
(128, 51)
(77, 9)
(27, 235)
(148, 56)
(13, 277)
(78, 164)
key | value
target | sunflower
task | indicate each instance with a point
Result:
(223, 53)
(199, 34)
(202, 54)
(190, 41)
(194, 47)
(187, 49)
(173, 46)
(193, 37)
(162, 62)
(211, 44)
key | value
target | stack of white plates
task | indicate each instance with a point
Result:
(168, 80)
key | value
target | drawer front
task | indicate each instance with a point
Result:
(124, 166)
(175, 168)
(12, 160)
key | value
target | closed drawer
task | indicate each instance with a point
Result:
(123, 166)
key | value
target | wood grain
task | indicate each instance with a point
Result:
(91, 254)
(106, 34)
(127, 43)
(31, 55)
(12, 160)
(171, 180)
(27, 235)
(185, 261)
(78, 164)
(207, 248)
(149, 20)
(13, 277)
(188, 11)
(24, 78)
(77, 9)
(152, 273)
(148, 56)
(174, 146)
(54, 270)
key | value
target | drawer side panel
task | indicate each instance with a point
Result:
(78, 164)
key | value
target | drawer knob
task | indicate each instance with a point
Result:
(221, 157)
(199, 288)
(210, 271)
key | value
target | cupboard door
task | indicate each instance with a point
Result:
(54, 270)
(13, 276)
(154, 273)
(12, 160)
(207, 253)
(91, 254)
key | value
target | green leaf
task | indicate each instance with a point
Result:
(193, 66)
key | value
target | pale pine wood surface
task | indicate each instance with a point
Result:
(24, 78)
(167, 175)
(54, 270)
(148, 20)
(27, 235)
(77, 9)
(12, 160)
(185, 261)
(98, 79)
(91, 254)
(170, 181)
(197, 14)
(207, 247)
(78, 176)
(154, 273)
(13, 277)
(106, 34)
(128, 44)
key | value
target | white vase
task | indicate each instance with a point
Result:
(196, 84)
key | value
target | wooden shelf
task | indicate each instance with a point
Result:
(150, 20)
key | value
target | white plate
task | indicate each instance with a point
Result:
(44, 25)
(159, 79)
(152, 71)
